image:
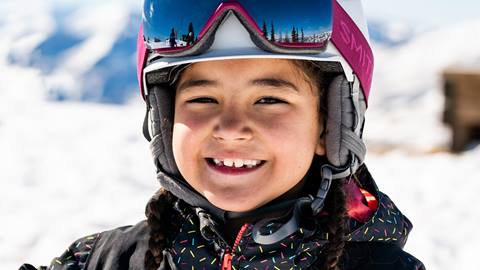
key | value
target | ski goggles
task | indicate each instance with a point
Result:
(323, 22)
(179, 28)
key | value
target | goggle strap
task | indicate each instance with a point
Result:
(354, 47)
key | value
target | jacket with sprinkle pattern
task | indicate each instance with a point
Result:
(375, 244)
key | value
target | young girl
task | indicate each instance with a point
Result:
(256, 136)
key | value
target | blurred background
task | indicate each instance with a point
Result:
(73, 160)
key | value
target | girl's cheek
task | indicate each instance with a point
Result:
(188, 132)
(193, 117)
(274, 123)
(180, 140)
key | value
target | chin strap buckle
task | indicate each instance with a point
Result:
(328, 174)
(319, 201)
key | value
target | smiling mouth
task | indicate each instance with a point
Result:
(234, 166)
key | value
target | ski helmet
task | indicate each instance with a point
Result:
(331, 33)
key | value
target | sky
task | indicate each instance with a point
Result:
(428, 13)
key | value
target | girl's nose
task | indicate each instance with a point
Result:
(232, 126)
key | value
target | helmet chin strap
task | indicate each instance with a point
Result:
(304, 206)
(146, 130)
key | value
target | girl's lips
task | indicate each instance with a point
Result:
(232, 170)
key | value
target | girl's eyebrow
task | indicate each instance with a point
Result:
(274, 82)
(267, 81)
(196, 83)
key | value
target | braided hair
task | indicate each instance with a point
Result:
(335, 225)
(159, 207)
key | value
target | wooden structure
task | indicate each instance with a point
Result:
(462, 105)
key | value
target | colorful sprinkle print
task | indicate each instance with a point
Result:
(190, 250)
(76, 256)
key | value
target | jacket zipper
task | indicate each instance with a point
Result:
(227, 258)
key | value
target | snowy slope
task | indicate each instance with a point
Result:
(72, 168)
(407, 142)
(65, 168)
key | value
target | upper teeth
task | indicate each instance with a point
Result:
(237, 163)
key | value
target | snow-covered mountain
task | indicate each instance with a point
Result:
(389, 34)
(88, 55)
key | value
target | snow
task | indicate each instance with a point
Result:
(408, 145)
(101, 32)
(436, 192)
(68, 169)
(21, 34)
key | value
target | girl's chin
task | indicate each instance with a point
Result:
(235, 204)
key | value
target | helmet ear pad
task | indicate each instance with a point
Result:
(161, 99)
(343, 138)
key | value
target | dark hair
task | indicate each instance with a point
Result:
(335, 225)
(161, 204)
(158, 209)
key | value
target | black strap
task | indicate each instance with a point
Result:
(314, 204)
(287, 229)
(146, 132)
(30, 267)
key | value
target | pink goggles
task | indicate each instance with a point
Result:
(290, 27)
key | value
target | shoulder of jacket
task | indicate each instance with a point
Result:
(379, 256)
(74, 258)
(85, 249)
(77, 254)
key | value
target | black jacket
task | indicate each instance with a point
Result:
(196, 244)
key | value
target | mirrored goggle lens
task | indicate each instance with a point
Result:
(178, 25)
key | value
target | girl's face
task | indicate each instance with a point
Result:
(245, 131)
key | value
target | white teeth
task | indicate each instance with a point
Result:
(237, 163)
(228, 162)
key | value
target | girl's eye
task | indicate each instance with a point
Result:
(269, 100)
(202, 100)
